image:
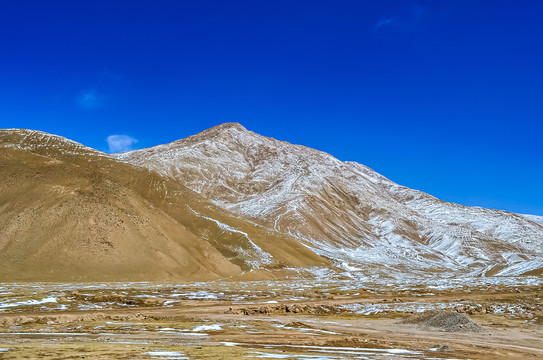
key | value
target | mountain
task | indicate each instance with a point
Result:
(229, 203)
(364, 223)
(70, 213)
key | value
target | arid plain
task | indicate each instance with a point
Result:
(283, 319)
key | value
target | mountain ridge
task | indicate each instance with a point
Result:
(337, 207)
(261, 207)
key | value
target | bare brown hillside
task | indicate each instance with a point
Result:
(68, 212)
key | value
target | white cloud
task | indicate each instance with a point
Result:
(120, 143)
(383, 22)
(90, 99)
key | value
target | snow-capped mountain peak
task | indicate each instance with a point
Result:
(344, 210)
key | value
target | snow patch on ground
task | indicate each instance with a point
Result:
(214, 327)
(29, 302)
(162, 354)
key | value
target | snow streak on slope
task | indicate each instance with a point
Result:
(254, 256)
(344, 210)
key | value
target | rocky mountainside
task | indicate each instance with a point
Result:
(344, 211)
(68, 213)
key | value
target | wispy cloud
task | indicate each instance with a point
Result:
(120, 143)
(383, 22)
(404, 17)
(90, 99)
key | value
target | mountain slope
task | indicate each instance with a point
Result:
(68, 212)
(343, 210)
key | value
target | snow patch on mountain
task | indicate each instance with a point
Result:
(33, 140)
(534, 218)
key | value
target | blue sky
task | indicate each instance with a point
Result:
(441, 96)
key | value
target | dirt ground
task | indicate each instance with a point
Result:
(272, 320)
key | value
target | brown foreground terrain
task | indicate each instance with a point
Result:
(271, 320)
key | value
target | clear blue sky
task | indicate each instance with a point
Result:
(442, 96)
